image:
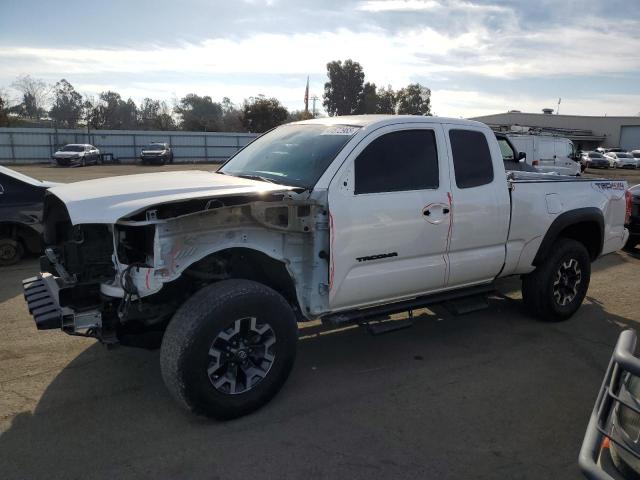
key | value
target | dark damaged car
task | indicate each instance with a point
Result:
(21, 199)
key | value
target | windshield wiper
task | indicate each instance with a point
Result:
(257, 177)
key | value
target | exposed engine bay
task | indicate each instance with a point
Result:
(124, 281)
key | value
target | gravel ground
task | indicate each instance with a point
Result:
(490, 394)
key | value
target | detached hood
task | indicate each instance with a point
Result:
(106, 200)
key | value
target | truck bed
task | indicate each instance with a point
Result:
(545, 197)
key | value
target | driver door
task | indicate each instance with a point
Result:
(390, 217)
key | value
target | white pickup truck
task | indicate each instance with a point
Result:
(342, 219)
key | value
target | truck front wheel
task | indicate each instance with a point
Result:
(555, 289)
(229, 348)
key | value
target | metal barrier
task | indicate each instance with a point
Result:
(601, 423)
(37, 145)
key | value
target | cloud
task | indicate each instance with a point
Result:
(439, 43)
(397, 5)
(387, 58)
(473, 103)
(422, 5)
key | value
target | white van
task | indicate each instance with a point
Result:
(548, 153)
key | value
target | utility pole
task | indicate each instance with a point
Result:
(558, 109)
(313, 99)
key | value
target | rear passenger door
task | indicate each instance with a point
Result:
(480, 206)
(390, 217)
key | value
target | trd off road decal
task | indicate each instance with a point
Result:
(377, 257)
(618, 187)
(610, 185)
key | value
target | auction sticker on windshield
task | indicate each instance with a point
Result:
(342, 130)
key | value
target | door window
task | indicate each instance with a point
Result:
(471, 158)
(398, 161)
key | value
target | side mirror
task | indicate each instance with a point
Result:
(522, 157)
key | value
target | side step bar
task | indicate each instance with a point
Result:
(372, 313)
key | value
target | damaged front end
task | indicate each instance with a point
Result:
(77, 260)
(122, 282)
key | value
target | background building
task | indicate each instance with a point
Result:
(586, 132)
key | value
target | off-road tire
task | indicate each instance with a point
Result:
(11, 251)
(538, 286)
(184, 354)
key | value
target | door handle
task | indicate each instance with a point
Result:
(431, 212)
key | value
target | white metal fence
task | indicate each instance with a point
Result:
(37, 145)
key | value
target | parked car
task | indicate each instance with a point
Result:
(633, 222)
(21, 199)
(621, 160)
(320, 219)
(78, 154)
(610, 449)
(636, 154)
(157, 153)
(594, 160)
(548, 153)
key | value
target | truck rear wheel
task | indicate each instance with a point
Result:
(555, 289)
(229, 348)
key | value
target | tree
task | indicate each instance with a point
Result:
(155, 115)
(299, 115)
(199, 113)
(165, 120)
(35, 94)
(112, 112)
(231, 117)
(260, 114)
(4, 119)
(414, 99)
(343, 91)
(369, 100)
(386, 100)
(67, 105)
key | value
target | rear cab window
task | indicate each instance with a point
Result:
(472, 163)
(398, 161)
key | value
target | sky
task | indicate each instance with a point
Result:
(477, 56)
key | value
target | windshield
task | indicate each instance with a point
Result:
(595, 155)
(624, 155)
(73, 148)
(155, 146)
(294, 155)
(636, 154)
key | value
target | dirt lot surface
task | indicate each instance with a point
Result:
(490, 394)
(61, 174)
